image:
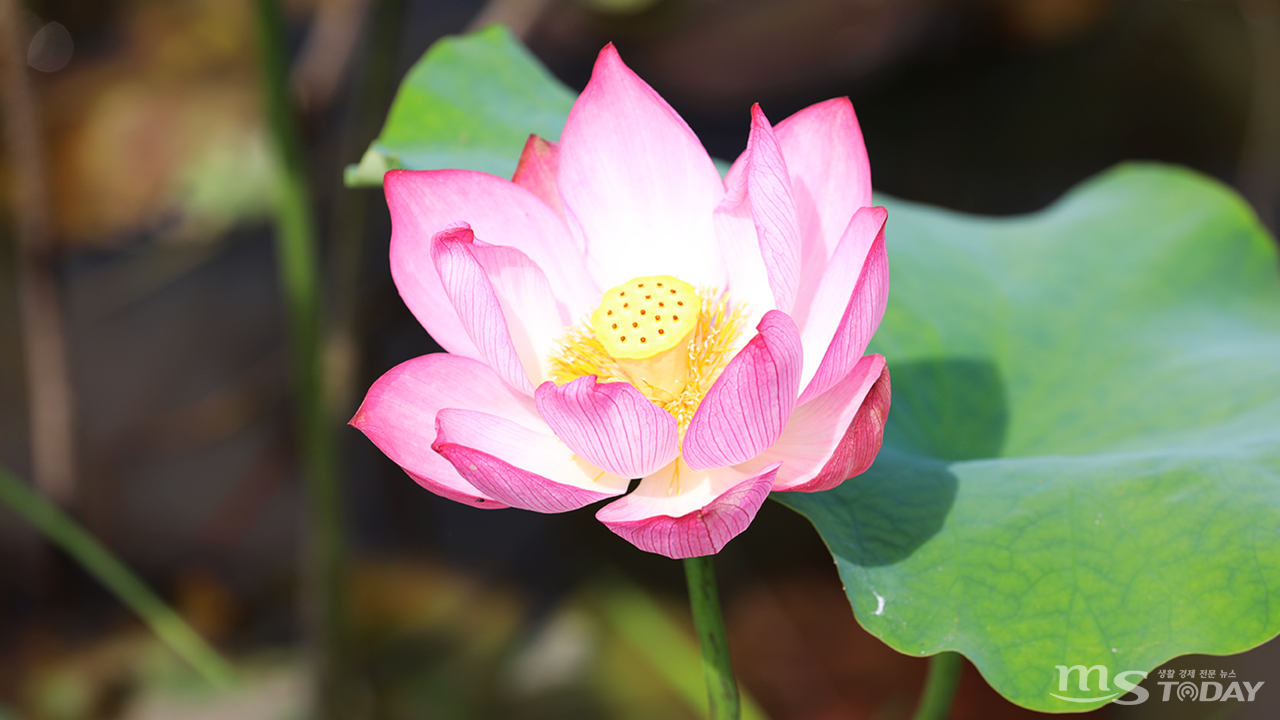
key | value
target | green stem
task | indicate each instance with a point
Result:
(80, 545)
(300, 280)
(940, 686)
(704, 600)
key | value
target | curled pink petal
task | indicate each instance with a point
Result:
(846, 312)
(476, 303)
(398, 415)
(638, 182)
(759, 185)
(534, 320)
(523, 468)
(861, 442)
(836, 435)
(612, 425)
(537, 172)
(709, 508)
(499, 212)
(747, 408)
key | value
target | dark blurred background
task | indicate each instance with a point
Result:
(169, 430)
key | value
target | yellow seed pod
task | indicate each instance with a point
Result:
(646, 316)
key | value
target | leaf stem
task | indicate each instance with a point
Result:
(940, 686)
(704, 600)
(86, 550)
(300, 280)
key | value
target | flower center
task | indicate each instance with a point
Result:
(659, 334)
(639, 324)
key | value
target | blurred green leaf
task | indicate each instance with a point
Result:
(670, 649)
(64, 532)
(471, 102)
(1082, 463)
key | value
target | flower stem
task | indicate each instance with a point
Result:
(940, 686)
(301, 284)
(704, 600)
(86, 550)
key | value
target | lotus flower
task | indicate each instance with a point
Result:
(618, 311)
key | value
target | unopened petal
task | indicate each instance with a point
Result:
(848, 305)
(519, 466)
(399, 412)
(612, 425)
(747, 408)
(638, 182)
(836, 435)
(680, 512)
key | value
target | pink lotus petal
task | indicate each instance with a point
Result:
(748, 279)
(748, 406)
(758, 185)
(537, 171)
(476, 302)
(415, 275)
(860, 444)
(534, 320)
(738, 240)
(836, 435)
(710, 509)
(523, 468)
(846, 311)
(638, 182)
(499, 212)
(612, 425)
(399, 414)
(830, 179)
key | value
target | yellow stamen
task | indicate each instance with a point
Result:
(685, 358)
(631, 321)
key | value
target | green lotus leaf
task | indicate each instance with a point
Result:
(471, 102)
(1082, 461)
